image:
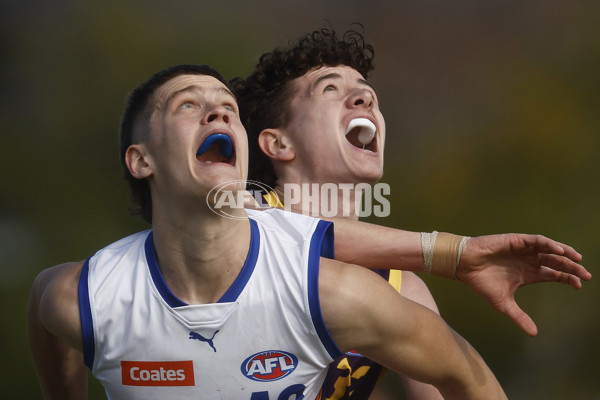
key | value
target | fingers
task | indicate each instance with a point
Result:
(520, 317)
(570, 280)
(543, 244)
(563, 264)
(558, 256)
(551, 275)
(545, 274)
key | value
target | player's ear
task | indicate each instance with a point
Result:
(276, 145)
(136, 160)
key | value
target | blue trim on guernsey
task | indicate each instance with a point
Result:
(157, 277)
(321, 245)
(234, 290)
(85, 313)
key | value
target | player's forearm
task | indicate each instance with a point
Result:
(376, 246)
(458, 371)
(425, 348)
(473, 379)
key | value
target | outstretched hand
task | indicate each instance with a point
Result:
(495, 266)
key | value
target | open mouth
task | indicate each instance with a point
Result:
(216, 148)
(361, 133)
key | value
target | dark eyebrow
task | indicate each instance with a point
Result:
(364, 82)
(335, 75)
(193, 88)
(332, 75)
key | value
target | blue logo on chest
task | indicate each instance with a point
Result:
(197, 336)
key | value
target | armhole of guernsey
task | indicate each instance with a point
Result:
(85, 313)
(321, 245)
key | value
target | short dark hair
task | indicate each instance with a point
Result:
(135, 126)
(264, 96)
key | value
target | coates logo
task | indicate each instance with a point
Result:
(157, 373)
(226, 197)
(269, 365)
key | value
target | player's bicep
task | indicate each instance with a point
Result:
(354, 302)
(365, 314)
(55, 333)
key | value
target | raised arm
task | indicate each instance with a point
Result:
(376, 246)
(55, 333)
(364, 314)
(493, 266)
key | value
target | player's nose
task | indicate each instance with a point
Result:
(361, 98)
(217, 113)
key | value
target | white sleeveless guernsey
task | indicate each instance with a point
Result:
(264, 340)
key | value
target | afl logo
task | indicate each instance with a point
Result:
(269, 365)
(225, 197)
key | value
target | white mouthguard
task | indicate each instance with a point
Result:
(367, 129)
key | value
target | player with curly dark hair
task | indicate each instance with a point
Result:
(312, 117)
(266, 101)
(265, 95)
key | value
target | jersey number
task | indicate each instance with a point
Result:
(294, 392)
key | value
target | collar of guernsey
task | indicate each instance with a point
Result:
(272, 199)
(395, 278)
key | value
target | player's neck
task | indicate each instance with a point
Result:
(200, 256)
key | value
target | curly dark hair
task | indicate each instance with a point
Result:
(264, 96)
(135, 127)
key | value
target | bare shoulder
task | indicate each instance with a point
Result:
(58, 273)
(355, 302)
(342, 279)
(54, 301)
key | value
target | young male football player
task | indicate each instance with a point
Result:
(202, 306)
(313, 120)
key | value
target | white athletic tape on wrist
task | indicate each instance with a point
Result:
(461, 248)
(427, 242)
(442, 252)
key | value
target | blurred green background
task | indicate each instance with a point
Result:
(493, 123)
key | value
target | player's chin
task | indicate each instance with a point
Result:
(368, 175)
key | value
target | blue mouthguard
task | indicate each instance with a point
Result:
(225, 145)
